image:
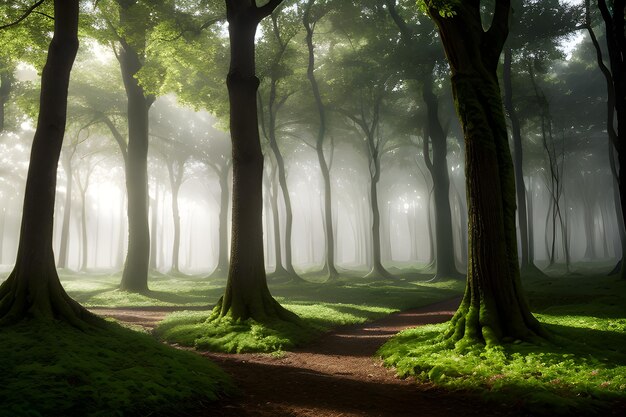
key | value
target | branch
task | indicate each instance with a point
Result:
(23, 16)
(267, 9)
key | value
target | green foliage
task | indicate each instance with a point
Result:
(584, 370)
(52, 369)
(445, 8)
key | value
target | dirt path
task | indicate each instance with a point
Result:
(337, 376)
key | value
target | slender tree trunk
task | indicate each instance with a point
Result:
(438, 167)
(83, 228)
(247, 294)
(3, 218)
(221, 270)
(279, 269)
(66, 161)
(518, 159)
(154, 209)
(321, 134)
(135, 275)
(176, 177)
(494, 309)
(282, 179)
(6, 86)
(378, 270)
(33, 289)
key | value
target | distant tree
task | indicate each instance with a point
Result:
(280, 29)
(33, 289)
(422, 63)
(536, 31)
(494, 308)
(247, 295)
(310, 18)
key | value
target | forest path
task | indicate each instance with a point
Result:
(335, 376)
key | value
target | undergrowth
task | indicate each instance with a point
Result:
(51, 369)
(582, 372)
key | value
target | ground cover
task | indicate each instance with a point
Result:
(321, 307)
(52, 369)
(583, 370)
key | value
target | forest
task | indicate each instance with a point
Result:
(312, 208)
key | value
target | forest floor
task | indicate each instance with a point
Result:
(337, 375)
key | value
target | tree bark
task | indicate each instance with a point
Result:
(154, 210)
(135, 274)
(247, 295)
(494, 309)
(33, 289)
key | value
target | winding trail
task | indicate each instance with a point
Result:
(336, 376)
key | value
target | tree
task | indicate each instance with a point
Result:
(424, 71)
(310, 19)
(613, 13)
(247, 294)
(33, 289)
(494, 308)
(276, 72)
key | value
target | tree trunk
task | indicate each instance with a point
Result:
(378, 270)
(221, 270)
(494, 309)
(33, 289)
(438, 167)
(135, 275)
(518, 163)
(83, 228)
(279, 269)
(154, 209)
(247, 295)
(616, 42)
(6, 86)
(67, 209)
(329, 266)
(176, 177)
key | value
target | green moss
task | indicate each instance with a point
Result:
(199, 330)
(583, 371)
(52, 369)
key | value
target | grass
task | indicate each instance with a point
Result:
(52, 369)
(320, 306)
(583, 372)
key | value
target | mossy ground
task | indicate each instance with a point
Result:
(582, 372)
(321, 307)
(51, 369)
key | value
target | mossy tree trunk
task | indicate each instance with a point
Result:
(494, 308)
(33, 289)
(309, 23)
(247, 295)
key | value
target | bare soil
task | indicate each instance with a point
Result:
(336, 376)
